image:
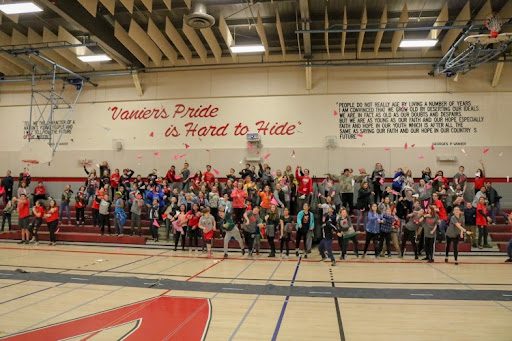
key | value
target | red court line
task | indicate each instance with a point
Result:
(382, 261)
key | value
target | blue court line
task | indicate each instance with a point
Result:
(285, 304)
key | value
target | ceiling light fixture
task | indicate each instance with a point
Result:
(411, 43)
(20, 8)
(247, 48)
(94, 58)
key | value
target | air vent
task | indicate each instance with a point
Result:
(198, 18)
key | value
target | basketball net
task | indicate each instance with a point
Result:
(493, 24)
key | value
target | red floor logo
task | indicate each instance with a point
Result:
(161, 318)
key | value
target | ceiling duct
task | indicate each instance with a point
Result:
(199, 18)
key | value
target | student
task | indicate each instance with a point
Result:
(509, 246)
(80, 202)
(305, 226)
(65, 200)
(207, 225)
(411, 228)
(272, 222)
(429, 222)
(193, 232)
(304, 187)
(386, 226)
(482, 218)
(104, 213)
(286, 228)
(265, 199)
(239, 195)
(250, 227)
(7, 183)
(377, 179)
(39, 192)
(347, 233)
(470, 220)
(37, 221)
(479, 177)
(461, 179)
(372, 230)
(329, 228)
(95, 207)
(363, 204)
(231, 231)
(52, 220)
(23, 207)
(168, 216)
(213, 201)
(494, 202)
(441, 213)
(120, 214)
(136, 212)
(154, 216)
(7, 214)
(455, 231)
(180, 227)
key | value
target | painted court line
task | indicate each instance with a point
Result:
(79, 279)
(285, 304)
(320, 292)
(507, 295)
(421, 294)
(237, 289)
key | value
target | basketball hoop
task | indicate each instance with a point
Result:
(493, 23)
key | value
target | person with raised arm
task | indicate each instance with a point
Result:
(304, 186)
(52, 220)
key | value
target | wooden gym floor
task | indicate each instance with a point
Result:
(107, 293)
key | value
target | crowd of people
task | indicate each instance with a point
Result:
(289, 206)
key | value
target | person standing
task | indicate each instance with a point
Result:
(80, 202)
(250, 227)
(38, 212)
(305, 226)
(208, 226)
(272, 222)
(372, 230)
(429, 221)
(120, 214)
(239, 195)
(494, 202)
(411, 229)
(377, 178)
(509, 246)
(386, 226)
(455, 231)
(193, 232)
(52, 220)
(482, 219)
(8, 184)
(7, 214)
(286, 229)
(179, 227)
(23, 207)
(480, 177)
(154, 217)
(304, 187)
(231, 231)
(348, 233)
(329, 228)
(363, 204)
(65, 201)
(104, 213)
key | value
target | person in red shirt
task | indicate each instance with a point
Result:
(38, 212)
(23, 217)
(193, 230)
(171, 175)
(441, 212)
(115, 177)
(39, 192)
(95, 208)
(266, 198)
(482, 219)
(52, 220)
(208, 176)
(304, 187)
(80, 202)
(480, 177)
(238, 195)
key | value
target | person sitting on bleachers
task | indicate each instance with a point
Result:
(39, 192)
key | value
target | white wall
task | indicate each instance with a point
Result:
(276, 94)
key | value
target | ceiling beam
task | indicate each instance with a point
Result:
(463, 18)
(163, 44)
(196, 42)
(497, 73)
(99, 28)
(110, 5)
(148, 4)
(209, 36)
(326, 33)
(442, 20)
(380, 34)
(305, 19)
(128, 4)
(138, 85)
(90, 6)
(360, 38)
(279, 28)
(124, 38)
(177, 40)
(34, 38)
(18, 38)
(18, 63)
(506, 12)
(398, 35)
(64, 35)
(227, 36)
(144, 41)
(167, 3)
(344, 34)
(261, 33)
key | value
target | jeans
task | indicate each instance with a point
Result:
(429, 247)
(455, 246)
(442, 229)
(119, 226)
(104, 220)
(371, 237)
(285, 239)
(409, 236)
(36, 224)
(482, 233)
(326, 245)
(64, 206)
(343, 242)
(234, 233)
(135, 223)
(52, 227)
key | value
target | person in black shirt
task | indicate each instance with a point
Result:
(329, 228)
(7, 184)
(470, 221)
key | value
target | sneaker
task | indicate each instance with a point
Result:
(243, 252)
(456, 263)
(430, 261)
(297, 253)
(32, 240)
(446, 260)
(306, 256)
(487, 246)
(326, 260)
(388, 256)
(225, 255)
(508, 260)
(424, 258)
(480, 247)
(333, 263)
(416, 257)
